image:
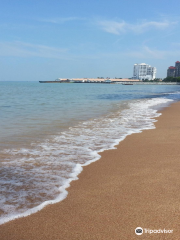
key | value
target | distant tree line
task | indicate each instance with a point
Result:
(155, 80)
(171, 79)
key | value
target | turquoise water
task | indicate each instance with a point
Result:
(48, 132)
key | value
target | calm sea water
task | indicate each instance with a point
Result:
(48, 132)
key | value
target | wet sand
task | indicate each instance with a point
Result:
(137, 185)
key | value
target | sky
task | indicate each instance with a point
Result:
(45, 40)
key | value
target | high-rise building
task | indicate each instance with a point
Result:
(174, 71)
(144, 71)
(171, 72)
(177, 66)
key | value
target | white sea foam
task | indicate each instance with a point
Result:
(39, 175)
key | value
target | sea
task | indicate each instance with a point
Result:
(50, 131)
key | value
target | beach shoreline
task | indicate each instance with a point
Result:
(135, 185)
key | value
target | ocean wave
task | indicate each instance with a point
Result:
(34, 177)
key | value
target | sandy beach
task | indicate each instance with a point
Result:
(136, 185)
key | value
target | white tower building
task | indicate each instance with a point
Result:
(144, 71)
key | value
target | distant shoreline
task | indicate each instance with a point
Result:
(110, 81)
(125, 81)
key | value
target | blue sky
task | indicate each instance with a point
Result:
(45, 40)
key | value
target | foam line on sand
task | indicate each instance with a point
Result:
(135, 185)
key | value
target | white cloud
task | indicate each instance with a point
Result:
(120, 27)
(146, 52)
(155, 53)
(113, 27)
(60, 20)
(22, 49)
